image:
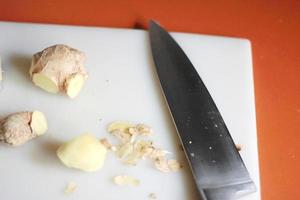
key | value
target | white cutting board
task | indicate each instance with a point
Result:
(122, 85)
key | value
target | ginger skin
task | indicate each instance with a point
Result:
(59, 68)
(18, 128)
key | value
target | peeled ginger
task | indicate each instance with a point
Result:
(84, 152)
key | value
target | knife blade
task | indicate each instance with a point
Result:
(216, 165)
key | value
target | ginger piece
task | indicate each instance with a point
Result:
(18, 128)
(238, 147)
(174, 165)
(131, 152)
(122, 130)
(127, 132)
(141, 149)
(143, 129)
(126, 180)
(107, 144)
(70, 188)
(84, 152)
(125, 150)
(161, 163)
(59, 68)
(157, 153)
(119, 126)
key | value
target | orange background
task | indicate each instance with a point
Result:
(273, 27)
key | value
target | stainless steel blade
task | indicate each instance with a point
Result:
(218, 169)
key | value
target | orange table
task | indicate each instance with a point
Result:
(273, 27)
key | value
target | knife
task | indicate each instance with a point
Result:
(217, 167)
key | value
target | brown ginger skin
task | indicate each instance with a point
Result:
(59, 68)
(18, 128)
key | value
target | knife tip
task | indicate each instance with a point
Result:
(152, 23)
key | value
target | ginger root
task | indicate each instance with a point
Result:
(59, 68)
(84, 152)
(18, 128)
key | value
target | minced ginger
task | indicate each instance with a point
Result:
(131, 149)
(126, 180)
(70, 188)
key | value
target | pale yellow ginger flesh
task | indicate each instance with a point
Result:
(38, 123)
(84, 152)
(126, 180)
(174, 165)
(18, 128)
(119, 126)
(131, 149)
(45, 82)
(70, 188)
(59, 68)
(74, 85)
